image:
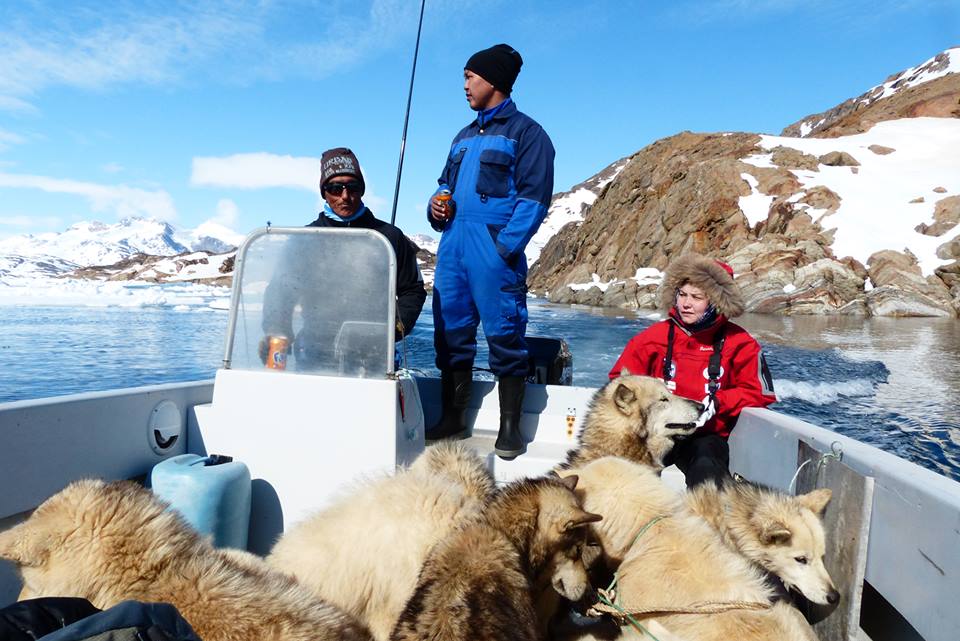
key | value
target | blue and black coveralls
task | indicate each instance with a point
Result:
(500, 170)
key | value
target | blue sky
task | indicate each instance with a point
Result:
(199, 111)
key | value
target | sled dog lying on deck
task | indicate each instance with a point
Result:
(486, 579)
(364, 553)
(110, 542)
(669, 559)
(636, 418)
(783, 534)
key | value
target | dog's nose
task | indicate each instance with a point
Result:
(833, 597)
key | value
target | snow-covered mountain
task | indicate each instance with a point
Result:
(87, 244)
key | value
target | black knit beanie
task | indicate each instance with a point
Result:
(340, 162)
(499, 65)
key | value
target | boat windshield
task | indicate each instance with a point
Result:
(315, 301)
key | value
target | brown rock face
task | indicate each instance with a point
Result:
(901, 290)
(839, 159)
(683, 193)
(939, 98)
(946, 215)
(789, 158)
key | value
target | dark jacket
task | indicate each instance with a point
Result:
(410, 291)
(295, 283)
(33, 618)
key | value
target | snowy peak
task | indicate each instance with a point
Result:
(940, 65)
(931, 88)
(92, 243)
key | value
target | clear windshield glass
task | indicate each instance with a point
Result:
(314, 300)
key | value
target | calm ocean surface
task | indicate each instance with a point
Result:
(894, 383)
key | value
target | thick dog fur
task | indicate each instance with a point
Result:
(109, 542)
(783, 534)
(636, 418)
(678, 560)
(485, 580)
(364, 552)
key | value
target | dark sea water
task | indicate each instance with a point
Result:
(894, 383)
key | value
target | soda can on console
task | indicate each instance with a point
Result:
(279, 346)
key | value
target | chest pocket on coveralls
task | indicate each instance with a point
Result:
(494, 177)
(453, 167)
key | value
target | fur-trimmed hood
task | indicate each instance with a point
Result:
(707, 274)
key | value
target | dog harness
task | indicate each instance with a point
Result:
(713, 369)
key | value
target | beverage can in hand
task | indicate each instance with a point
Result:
(444, 196)
(277, 353)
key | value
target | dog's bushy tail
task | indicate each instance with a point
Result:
(458, 463)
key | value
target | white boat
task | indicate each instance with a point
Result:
(307, 431)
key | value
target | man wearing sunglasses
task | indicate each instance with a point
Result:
(342, 187)
(500, 171)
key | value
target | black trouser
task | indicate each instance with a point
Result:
(701, 458)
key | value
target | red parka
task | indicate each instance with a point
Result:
(745, 380)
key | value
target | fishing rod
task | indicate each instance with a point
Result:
(406, 117)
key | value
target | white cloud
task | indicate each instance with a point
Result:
(112, 168)
(256, 171)
(227, 213)
(8, 139)
(121, 200)
(235, 42)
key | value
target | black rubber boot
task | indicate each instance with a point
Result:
(455, 396)
(510, 443)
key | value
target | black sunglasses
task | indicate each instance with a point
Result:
(337, 188)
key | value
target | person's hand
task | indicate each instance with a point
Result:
(709, 411)
(441, 211)
(263, 349)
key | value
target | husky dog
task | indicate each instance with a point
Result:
(364, 552)
(783, 534)
(485, 580)
(669, 559)
(634, 417)
(110, 542)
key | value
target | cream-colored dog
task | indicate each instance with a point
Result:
(110, 542)
(634, 417)
(669, 559)
(364, 552)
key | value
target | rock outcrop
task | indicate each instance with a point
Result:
(688, 193)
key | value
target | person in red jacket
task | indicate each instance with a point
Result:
(700, 354)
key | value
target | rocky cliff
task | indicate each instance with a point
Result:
(856, 218)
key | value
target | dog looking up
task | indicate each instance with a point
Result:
(364, 552)
(669, 559)
(783, 534)
(487, 579)
(636, 418)
(111, 542)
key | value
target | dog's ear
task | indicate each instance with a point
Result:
(578, 518)
(816, 501)
(625, 399)
(625, 372)
(775, 533)
(24, 546)
(570, 481)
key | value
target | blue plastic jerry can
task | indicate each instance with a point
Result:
(211, 492)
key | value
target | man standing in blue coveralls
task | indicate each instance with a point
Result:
(500, 170)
